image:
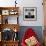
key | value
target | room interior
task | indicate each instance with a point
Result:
(17, 16)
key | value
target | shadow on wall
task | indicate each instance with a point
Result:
(37, 29)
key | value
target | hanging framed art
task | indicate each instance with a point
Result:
(30, 13)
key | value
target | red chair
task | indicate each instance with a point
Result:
(29, 33)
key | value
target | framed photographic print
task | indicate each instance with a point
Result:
(30, 13)
(5, 12)
(13, 12)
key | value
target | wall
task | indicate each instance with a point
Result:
(27, 3)
(38, 5)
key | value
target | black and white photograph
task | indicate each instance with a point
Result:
(30, 13)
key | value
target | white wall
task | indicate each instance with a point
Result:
(38, 5)
(27, 3)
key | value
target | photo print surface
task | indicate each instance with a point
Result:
(30, 13)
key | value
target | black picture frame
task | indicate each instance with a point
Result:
(30, 13)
